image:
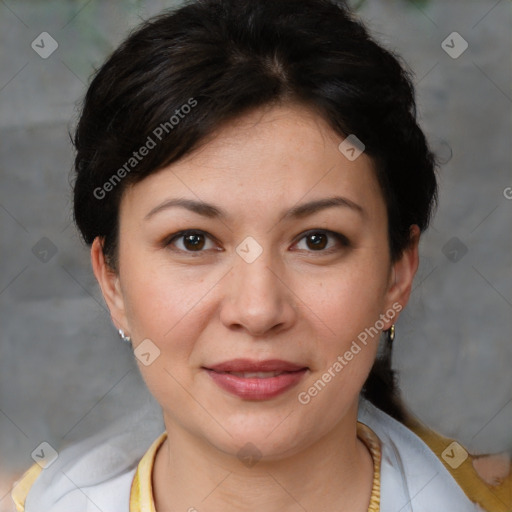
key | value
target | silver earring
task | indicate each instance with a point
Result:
(123, 336)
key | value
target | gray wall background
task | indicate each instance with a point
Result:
(64, 374)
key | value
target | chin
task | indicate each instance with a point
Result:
(268, 435)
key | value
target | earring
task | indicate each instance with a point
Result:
(390, 335)
(123, 336)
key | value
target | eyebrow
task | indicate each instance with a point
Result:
(297, 212)
(303, 210)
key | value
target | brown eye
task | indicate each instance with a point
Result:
(190, 241)
(194, 241)
(322, 241)
(316, 241)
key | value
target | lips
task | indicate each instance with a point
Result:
(248, 365)
(256, 380)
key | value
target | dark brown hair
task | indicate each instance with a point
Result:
(182, 74)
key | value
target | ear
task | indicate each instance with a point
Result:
(108, 279)
(402, 274)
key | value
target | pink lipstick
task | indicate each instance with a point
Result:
(256, 380)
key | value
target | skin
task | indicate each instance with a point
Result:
(294, 302)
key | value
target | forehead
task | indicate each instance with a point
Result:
(270, 158)
(290, 135)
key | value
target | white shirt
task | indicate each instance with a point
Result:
(95, 475)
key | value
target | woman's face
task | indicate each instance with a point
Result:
(259, 324)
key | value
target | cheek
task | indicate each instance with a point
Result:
(163, 304)
(349, 304)
(351, 299)
(168, 308)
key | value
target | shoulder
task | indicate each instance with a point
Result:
(428, 470)
(485, 479)
(84, 477)
(35, 493)
(93, 474)
(22, 486)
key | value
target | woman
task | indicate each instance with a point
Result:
(253, 183)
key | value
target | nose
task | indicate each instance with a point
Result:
(258, 299)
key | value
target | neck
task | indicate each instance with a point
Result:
(333, 473)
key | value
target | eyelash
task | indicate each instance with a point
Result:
(341, 239)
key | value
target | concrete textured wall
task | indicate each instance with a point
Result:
(63, 371)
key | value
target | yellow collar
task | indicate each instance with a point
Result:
(141, 494)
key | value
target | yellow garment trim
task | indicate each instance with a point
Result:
(492, 498)
(141, 495)
(372, 442)
(23, 485)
